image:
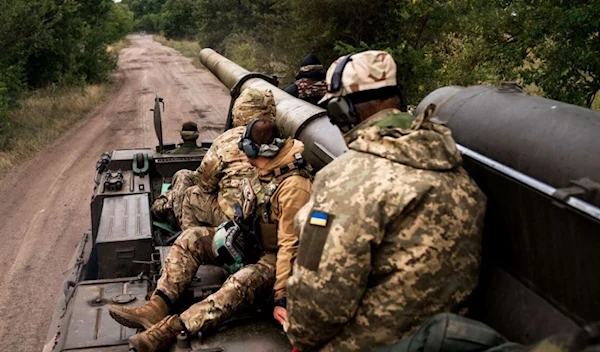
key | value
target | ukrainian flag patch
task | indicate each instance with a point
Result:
(318, 218)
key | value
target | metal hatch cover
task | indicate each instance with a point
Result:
(90, 327)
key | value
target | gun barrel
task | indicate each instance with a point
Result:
(296, 118)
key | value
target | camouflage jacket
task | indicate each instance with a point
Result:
(391, 235)
(310, 90)
(222, 170)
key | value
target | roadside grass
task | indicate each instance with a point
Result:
(187, 48)
(44, 116)
(118, 46)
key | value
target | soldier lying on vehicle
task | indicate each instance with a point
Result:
(258, 268)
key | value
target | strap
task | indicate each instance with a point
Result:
(298, 163)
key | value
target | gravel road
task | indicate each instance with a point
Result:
(44, 207)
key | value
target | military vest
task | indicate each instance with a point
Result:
(311, 91)
(263, 189)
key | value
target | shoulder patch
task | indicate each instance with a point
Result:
(314, 237)
(318, 218)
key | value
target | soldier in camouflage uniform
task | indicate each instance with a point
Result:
(392, 232)
(277, 191)
(310, 82)
(205, 196)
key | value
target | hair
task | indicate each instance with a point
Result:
(189, 126)
(264, 131)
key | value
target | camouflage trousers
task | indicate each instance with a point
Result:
(194, 248)
(170, 203)
(200, 209)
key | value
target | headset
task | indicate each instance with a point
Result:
(341, 110)
(246, 145)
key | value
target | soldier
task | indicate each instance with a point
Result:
(310, 82)
(189, 135)
(216, 182)
(392, 232)
(278, 190)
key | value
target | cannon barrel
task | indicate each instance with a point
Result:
(296, 118)
(550, 141)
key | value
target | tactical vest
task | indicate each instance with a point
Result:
(311, 91)
(264, 188)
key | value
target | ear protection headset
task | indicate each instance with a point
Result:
(246, 145)
(341, 110)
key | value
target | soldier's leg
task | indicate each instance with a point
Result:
(191, 249)
(162, 206)
(200, 209)
(188, 210)
(182, 180)
(239, 290)
(170, 202)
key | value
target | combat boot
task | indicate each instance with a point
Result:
(159, 336)
(143, 316)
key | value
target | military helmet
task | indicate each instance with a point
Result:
(368, 70)
(228, 246)
(253, 104)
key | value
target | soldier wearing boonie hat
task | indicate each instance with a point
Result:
(391, 234)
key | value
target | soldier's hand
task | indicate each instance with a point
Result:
(280, 314)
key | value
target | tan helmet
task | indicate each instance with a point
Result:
(364, 71)
(253, 104)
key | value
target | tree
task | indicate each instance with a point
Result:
(550, 43)
(179, 18)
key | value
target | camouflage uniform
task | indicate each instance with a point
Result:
(194, 248)
(309, 89)
(170, 202)
(224, 166)
(310, 82)
(216, 183)
(269, 195)
(390, 237)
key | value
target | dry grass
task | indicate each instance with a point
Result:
(187, 48)
(118, 46)
(596, 102)
(44, 116)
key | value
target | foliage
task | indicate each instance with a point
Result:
(549, 46)
(47, 42)
(147, 14)
(557, 40)
(43, 115)
(179, 18)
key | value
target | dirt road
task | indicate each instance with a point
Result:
(45, 202)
